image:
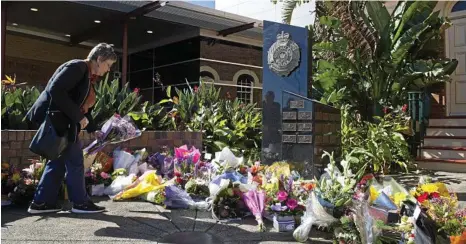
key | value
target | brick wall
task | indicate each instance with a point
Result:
(34, 60)
(231, 52)
(42, 50)
(15, 143)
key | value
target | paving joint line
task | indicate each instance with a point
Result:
(169, 219)
(142, 222)
(195, 220)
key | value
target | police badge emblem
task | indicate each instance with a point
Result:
(284, 55)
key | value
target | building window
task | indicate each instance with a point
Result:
(459, 6)
(243, 89)
(207, 76)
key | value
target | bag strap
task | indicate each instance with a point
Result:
(50, 105)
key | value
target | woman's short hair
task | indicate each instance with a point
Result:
(103, 50)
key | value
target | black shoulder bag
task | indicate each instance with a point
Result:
(47, 142)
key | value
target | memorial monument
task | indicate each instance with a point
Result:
(295, 128)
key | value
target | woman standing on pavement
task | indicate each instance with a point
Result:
(71, 96)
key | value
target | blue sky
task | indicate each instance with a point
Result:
(209, 4)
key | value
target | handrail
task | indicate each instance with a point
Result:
(417, 105)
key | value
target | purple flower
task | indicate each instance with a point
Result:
(290, 184)
(278, 208)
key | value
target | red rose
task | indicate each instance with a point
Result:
(422, 197)
(179, 180)
(434, 195)
(177, 174)
(385, 110)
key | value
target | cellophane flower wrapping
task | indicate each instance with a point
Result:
(124, 160)
(176, 197)
(115, 130)
(226, 159)
(315, 215)
(163, 163)
(147, 182)
(255, 201)
(118, 184)
(365, 223)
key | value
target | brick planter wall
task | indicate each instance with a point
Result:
(15, 143)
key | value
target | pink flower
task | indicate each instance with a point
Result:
(104, 175)
(196, 88)
(282, 195)
(183, 153)
(136, 90)
(292, 203)
(405, 108)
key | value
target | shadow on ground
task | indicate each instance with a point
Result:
(153, 226)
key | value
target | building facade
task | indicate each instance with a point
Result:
(178, 43)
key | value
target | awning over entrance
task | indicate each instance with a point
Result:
(102, 21)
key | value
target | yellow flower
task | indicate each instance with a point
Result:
(374, 194)
(16, 177)
(430, 187)
(5, 166)
(398, 198)
(442, 189)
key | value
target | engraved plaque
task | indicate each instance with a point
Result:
(289, 138)
(297, 104)
(289, 126)
(305, 127)
(305, 115)
(289, 116)
(304, 139)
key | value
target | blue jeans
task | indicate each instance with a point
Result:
(71, 162)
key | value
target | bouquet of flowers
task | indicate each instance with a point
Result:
(255, 201)
(176, 197)
(10, 177)
(25, 182)
(335, 189)
(283, 202)
(448, 217)
(428, 191)
(226, 200)
(197, 187)
(163, 162)
(115, 130)
(315, 215)
(185, 163)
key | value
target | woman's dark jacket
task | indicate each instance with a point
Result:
(68, 88)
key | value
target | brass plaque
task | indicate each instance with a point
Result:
(289, 138)
(289, 116)
(305, 127)
(305, 139)
(304, 115)
(289, 126)
(297, 104)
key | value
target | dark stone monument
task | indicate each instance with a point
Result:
(295, 129)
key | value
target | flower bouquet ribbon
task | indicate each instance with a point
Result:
(115, 130)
